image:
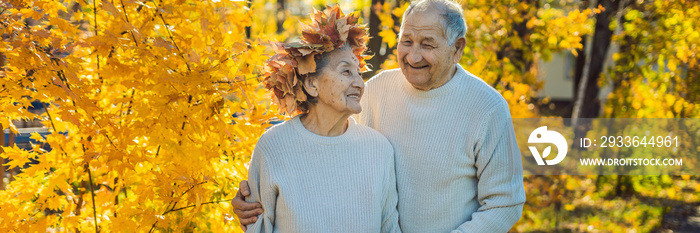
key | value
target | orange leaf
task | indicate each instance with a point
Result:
(306, 64)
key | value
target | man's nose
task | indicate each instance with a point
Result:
(414, 56)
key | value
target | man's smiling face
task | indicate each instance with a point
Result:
(424, 55)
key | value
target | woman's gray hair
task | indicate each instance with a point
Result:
(453, 24)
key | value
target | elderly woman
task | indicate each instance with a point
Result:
(321, 171)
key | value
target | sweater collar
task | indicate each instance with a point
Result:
(456, 80)
(349, 132)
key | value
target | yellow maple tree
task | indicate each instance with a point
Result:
(153, 109)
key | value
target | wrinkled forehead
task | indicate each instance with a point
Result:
(424, 22)
(343, 55)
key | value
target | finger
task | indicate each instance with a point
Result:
(244, 228)
(247, 206)
(238, 200)
(239, 204)
(246, 214)
(243, 187)
(247, 221)
(233, 201)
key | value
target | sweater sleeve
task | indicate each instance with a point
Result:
(261, 190)
(500, 189)
(390, 212)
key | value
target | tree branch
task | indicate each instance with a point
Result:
(92, 193)
(108, 138)
(203, 203)
(127, 20)
(170, 35)
(183, 194)
(94, 13)
(52, 125)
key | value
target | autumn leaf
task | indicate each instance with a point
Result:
(306, 64)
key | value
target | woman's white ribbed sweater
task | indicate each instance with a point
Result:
(311, 183)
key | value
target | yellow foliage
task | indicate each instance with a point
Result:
(668, 40)
(153, 110)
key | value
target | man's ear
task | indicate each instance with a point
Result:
(459, 46)
(310, 85)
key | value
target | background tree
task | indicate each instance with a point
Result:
(591, 61)
(153, 108)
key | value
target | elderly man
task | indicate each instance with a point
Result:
(458, 166)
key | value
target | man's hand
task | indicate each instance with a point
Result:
(247, 212)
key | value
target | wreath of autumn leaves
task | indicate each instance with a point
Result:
(329, 29)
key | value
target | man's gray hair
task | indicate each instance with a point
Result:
(453, 24)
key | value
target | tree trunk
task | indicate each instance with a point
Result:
(586, 103)
(281, 16)
(2, 160)
(247, 28)
(588, 69)
(375, 42)
(11, 142)
(517, 57)
(2, 131)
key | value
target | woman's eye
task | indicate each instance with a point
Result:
(346, 72)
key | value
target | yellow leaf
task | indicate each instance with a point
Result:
(678, 106)
(531, 22)
(16, 156)
(672, 65)
(552, 40)
(636, 105)
(670, 99)
(616, 56)
(160, 42)
(63, 24)
(36, 137)
(389, 37)
(108, 6)
(194, 57)
(569, 207)
(570, 184)
(564, 44)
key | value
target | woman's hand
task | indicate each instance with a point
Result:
(247, 213)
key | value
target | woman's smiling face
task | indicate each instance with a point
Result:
(339, 85)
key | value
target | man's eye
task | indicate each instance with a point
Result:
(406, 42)
(428, 46)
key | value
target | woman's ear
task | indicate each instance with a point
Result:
(310, 85)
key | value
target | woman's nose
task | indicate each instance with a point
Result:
(357, 81)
